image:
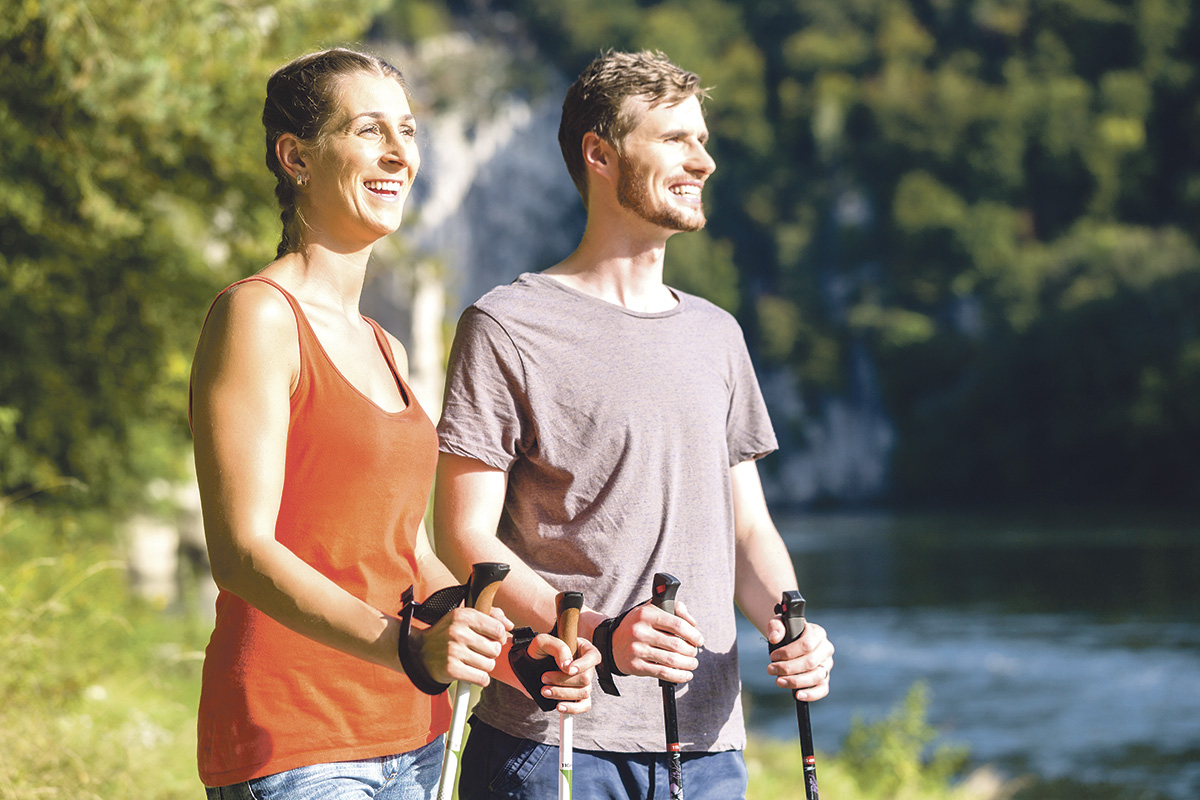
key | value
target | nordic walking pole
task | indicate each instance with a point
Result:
(481, 591)
(665, 587)
(791, 609)
(568, 605)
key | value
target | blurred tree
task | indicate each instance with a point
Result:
(132, 187)
(1035, 220)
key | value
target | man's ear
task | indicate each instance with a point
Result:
(291, 154)
(599, 156)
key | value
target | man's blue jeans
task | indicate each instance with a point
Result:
(496, 766)
(408, 776)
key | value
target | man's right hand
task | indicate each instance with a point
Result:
(654, 644)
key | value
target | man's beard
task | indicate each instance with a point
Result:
(633, 193)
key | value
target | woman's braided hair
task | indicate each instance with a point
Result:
(302, 100)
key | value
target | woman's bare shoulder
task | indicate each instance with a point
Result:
(249, 317)
(254, 309)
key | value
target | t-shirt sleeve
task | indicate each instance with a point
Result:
(748, 429)
(485, 410)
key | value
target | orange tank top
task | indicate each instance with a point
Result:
(355, 490)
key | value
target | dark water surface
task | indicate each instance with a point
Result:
(1064, 647)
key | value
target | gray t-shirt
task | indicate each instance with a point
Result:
(617, 430)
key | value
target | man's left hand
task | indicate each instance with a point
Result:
(803, 665)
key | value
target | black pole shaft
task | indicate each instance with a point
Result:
(674, 765)
(665, 587)
(806, 751)
(791, 610)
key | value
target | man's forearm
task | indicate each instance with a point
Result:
(764, 568)
(763, 572)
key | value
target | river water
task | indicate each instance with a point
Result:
(1064, 649)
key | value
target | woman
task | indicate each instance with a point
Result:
(315, 463)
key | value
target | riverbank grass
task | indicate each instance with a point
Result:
(99, 689)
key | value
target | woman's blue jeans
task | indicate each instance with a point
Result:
(408, 776)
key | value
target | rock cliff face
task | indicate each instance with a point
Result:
(836, 453)
(494, 200)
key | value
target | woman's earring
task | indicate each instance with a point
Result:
(302, 180)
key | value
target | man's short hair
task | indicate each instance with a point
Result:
(596, 101)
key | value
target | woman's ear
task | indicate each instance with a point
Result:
(291, 156)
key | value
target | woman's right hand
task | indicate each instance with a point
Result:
(463, 645)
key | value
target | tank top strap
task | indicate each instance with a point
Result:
(385, 347)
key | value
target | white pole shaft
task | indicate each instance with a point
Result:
(454, 740)
(565, 766)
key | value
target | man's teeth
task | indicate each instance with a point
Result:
(687, 191)
(383, 186)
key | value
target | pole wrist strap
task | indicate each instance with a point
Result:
(602, 638)
(529, 671)
(436, 606)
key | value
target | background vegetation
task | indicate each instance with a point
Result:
(998, 201)
(131, 188)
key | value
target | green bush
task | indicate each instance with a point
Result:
(887, 758)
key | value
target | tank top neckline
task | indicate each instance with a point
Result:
(380, 341)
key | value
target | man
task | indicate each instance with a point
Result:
(600, 427)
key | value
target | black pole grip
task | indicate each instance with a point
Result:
(791, 611)
(483, 575)
(666, 586)
(566, 600)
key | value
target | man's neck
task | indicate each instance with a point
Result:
(619, 268)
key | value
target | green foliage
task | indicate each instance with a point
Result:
(409, 21)
(697, 264)
(999, 200)
(1092, 385)
(887, 758)
(100, 689)
(131, 189)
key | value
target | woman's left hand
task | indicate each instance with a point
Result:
(571, 684)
